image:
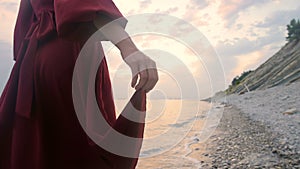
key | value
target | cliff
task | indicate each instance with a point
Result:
(281, 69)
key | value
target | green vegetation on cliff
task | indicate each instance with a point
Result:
(293, 30)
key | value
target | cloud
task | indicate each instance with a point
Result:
(241, 54)
(252, 60)
(144, 4)
(170, 10)
(243, 45)
(199, 4)
(8, 14)
(6, 61)
(193, 9)
(257, 39)
(244, 33)
(279, 18)
(9, 5)
(239, 46)
(230, 10)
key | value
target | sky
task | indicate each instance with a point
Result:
(243, 33)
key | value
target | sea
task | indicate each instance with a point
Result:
(176, 132)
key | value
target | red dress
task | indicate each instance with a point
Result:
(39, 128)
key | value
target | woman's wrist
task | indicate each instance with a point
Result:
(127, 47)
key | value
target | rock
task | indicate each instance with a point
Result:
(284, 98)
(234, 160)
(290, 111)
(256, 159)
(196, 140)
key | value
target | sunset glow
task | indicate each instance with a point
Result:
(243, 33)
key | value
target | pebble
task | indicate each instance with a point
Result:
(260, 129)
(244, 143)
(290, 111)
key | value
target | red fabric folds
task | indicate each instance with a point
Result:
(40, 29)
(39, 128)
(73, 17)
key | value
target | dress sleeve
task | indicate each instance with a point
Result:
(24, 19)
(74, 18)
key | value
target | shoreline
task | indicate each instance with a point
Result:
(255, 132)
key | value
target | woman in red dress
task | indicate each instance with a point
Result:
(39, 128)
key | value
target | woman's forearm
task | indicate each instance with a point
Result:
(115, 33)
(142, 67)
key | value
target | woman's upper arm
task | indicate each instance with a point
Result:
(24, 19)
(74, 18)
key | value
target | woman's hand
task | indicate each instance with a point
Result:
(142, 68)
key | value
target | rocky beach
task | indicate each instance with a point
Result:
(258, 129)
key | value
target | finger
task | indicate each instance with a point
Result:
(134, 80)
(134, 71)
(152, 79)
(143, 79)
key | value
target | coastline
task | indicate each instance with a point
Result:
(256, 131)
(250, 130)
